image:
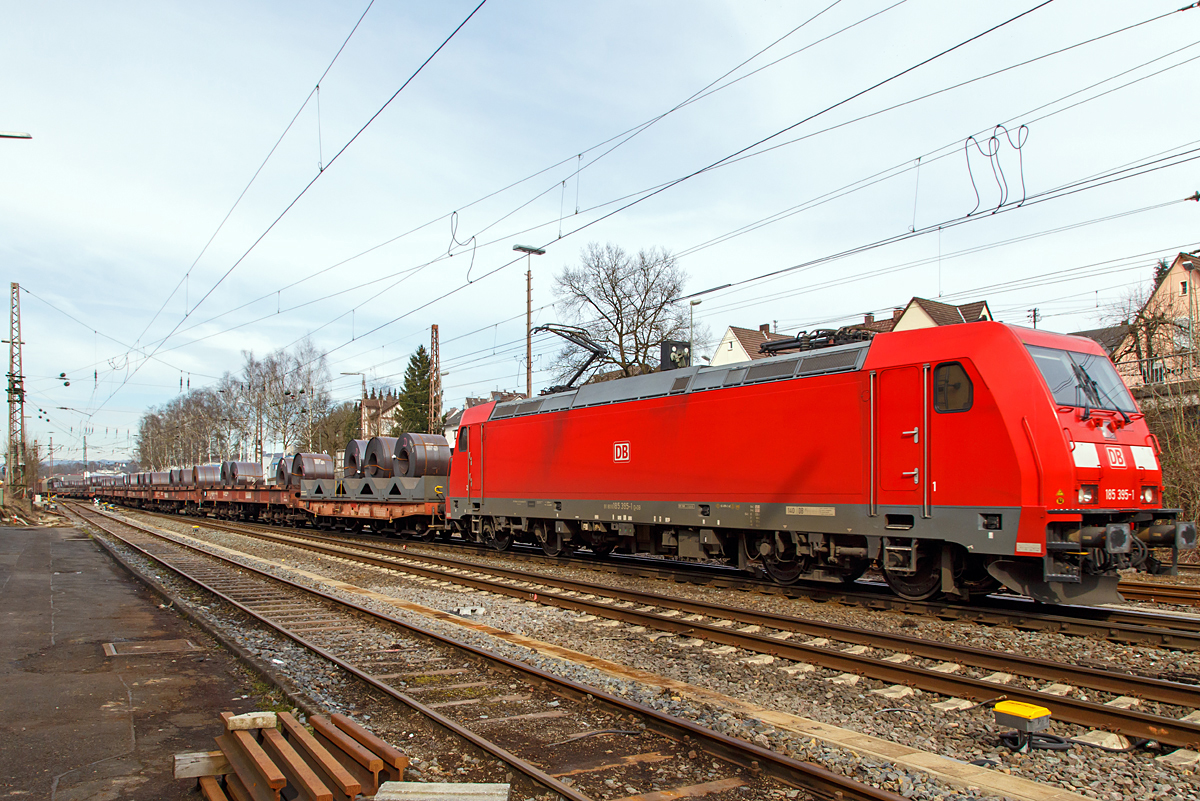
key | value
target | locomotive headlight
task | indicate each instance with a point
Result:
(1149, 495)
(1088, 493)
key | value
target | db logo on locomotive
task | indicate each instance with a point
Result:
(1115, 457)
(620, 451)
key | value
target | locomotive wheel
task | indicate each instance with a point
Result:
(551, 541)
(495, 538)
(603, 548)
(784, 571)
(923, 584)
(857, 568)
(973, 576)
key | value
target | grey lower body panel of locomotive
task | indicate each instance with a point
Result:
(990, 530)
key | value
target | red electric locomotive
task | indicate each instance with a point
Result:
(957, 459)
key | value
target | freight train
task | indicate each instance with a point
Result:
(955, 460)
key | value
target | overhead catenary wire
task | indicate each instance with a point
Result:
(428, 263)
(307, 186)
(360, 337)
(254, 177)
(628, 134)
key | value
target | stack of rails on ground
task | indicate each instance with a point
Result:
(575, 600)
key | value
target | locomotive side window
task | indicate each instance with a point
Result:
(462, 438)
(952, 391)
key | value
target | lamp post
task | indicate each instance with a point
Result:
(362, 417)
(529, 252)
(692, 329)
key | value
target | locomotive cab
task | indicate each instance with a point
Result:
(1106, 512)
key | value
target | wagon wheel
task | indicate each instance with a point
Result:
(498, 539)
(926, 582)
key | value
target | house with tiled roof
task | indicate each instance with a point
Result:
(741, 344)
(1109, 338)
(1155, 345)
(925, 313)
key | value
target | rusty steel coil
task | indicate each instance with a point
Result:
(309, 466)
(241, 473)
(356, 458)
(206, 475)
(160, 479)
(381, 456)
(283, 471)
(422, 455)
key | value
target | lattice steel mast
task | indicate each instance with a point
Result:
(16, 400)
(435, 382)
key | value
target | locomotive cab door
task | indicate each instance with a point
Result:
(474, 464)
(901, 435)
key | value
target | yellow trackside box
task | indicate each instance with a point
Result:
(1023, 717)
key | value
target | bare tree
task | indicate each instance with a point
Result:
(628, 303)
(279, 400)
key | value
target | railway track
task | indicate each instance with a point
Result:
(571, 739)
(1134, 627)
(1181, 594)
(770, 635)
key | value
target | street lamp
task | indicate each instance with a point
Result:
(362, 417)
(692, 328)
(529, 252)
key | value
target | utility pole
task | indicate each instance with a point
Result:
(1035, 316)
(529, 252)
(16, 400)
(435, 382)
(85, 455)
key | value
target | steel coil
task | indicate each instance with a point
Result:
(356, 458)
(241, 473)
(422, 455)
(206, 475)
(283, 471)
(381, 456)
(310, 466)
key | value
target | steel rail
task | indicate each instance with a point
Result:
(1167, 692)
(760, 761)
(1084, 713)
(1184, 594)
(437, 718)
(1115, 625)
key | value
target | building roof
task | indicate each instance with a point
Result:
(1109, 338)
(949, 314)
(751, 338)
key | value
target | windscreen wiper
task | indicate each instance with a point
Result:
(1097, 391)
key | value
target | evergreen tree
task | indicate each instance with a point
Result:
(1160, 271)
(414, 396)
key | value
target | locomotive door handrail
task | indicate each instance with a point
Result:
(926, 505)
(872, 508)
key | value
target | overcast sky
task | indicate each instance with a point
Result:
(149, 119)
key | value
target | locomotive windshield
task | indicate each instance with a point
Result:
(1082, 379)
